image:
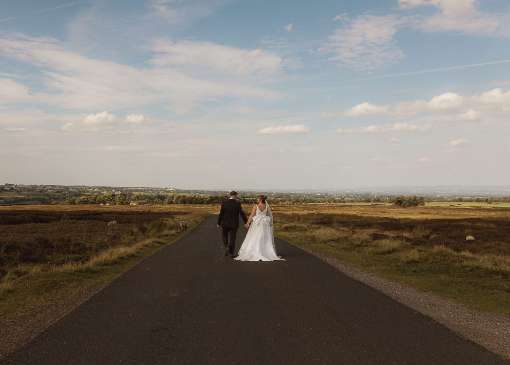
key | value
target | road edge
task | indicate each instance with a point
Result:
(87, 295)
(485, 329)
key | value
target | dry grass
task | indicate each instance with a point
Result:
(410, 256)
(41, 238)
(490, 262)
(384, 247)
(325, 234)
(430, 211)
(6, 286)
(493, 263)
(37, 240)
(476, 205)
(107, 257)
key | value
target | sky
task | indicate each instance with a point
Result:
(244, 94)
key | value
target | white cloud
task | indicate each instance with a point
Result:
(341, 17)
(457, 142)
(401, 127)
(365, 42)
(492, 106)
(92, 122)
(103, 120)
(68, 127)
(386, 128)
(285, 129)
(289, 27)
(469, 116)
(99, 118)
(216, 57)
(458, 15)
(407, 127)
(74, 81)
(495, 96)
(495, 101)
(12, 91)
(440, 103)
(15, 129)
(408, 4)
(366, 109)
(446, 101)
(164, 9)
(180, 12)
(135, 118)
(345, 131)
(373, 129)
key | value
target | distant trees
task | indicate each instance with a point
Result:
(52, 194)
(126, 198)
(409, 201)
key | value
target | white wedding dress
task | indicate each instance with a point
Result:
(259, 242)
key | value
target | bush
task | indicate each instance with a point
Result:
(409, 201)
(385, 247)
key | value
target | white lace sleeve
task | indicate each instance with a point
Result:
(270, 213)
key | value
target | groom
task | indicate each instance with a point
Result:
(228, 221)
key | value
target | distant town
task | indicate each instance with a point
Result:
(12, 194)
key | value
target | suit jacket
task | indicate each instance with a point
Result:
(229, 214)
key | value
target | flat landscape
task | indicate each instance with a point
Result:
(54, 257)
(187, 304)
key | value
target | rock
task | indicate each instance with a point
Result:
(111, 223)
(182, 226)
(470, 238)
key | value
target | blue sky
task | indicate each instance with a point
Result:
(255, 94)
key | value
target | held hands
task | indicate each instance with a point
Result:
(247, 225)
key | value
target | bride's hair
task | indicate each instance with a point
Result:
(262, 198)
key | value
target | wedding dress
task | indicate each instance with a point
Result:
(259, 242)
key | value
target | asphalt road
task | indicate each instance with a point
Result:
(189, 305)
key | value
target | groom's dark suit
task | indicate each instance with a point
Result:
(228, 220)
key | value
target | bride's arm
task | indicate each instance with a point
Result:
(252, 214)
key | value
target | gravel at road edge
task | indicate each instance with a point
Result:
(489, 330)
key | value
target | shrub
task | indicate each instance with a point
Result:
(411, 256)
(409, 201)
(385, 247)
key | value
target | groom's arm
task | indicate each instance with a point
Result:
(222, 212)
(243, 214)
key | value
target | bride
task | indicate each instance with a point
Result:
(259, 242)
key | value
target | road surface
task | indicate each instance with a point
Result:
(187, 304)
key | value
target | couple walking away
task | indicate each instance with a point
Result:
(258, 244)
